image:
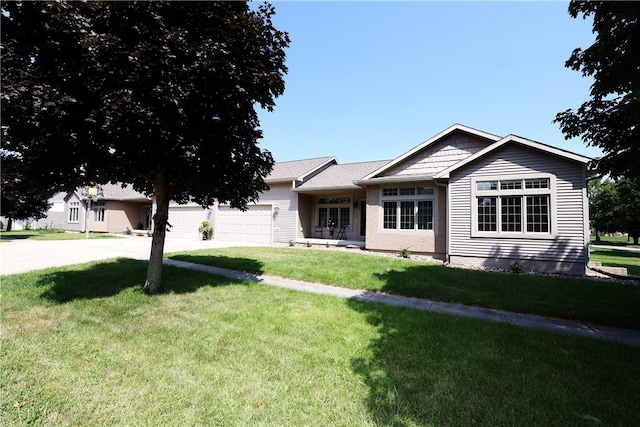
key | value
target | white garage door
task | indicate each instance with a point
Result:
(251, 226)
(185, 221)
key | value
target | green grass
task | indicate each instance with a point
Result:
(47, 235)
(613, 241)
(611, 304)
(83, 345)
(618, 258)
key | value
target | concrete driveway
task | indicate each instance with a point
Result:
(20, 256)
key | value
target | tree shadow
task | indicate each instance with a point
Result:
(434, 369)
(246, 265)
(108, 278)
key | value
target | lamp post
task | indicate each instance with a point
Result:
(90, 194)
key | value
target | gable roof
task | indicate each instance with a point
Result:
(115, 192)
(298, 170)
(517, 140)
(340, 177)
(455, 128)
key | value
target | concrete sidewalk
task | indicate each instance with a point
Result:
(626, 336)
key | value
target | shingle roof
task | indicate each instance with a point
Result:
(341, 176)
(297, 169)
(117, 192)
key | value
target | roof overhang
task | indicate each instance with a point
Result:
(393, 179)
(333, 189)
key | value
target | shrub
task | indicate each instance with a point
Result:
(515, 267)
(405, 253)
(206, 229)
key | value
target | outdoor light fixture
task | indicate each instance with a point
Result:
(90, 194)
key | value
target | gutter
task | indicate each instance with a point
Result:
(448, 226)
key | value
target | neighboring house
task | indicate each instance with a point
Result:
(116, 210)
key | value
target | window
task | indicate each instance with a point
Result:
(513, 206)
(334, 216)
(390, 218)
(74, 212)
(487, 214)
(410, 208)
(98, 209)
(538, 214)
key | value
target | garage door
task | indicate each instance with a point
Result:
(185, 221)
(251, 226)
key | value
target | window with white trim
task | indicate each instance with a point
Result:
(98, 211)
(74, 212)
(333, 212)
(513, 206)
(407, 208)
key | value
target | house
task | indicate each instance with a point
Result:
(464, 196)
(113, 209)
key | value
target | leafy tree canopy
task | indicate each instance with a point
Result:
(615, 206)
(610, 120)
(18, 199)
(161, 95)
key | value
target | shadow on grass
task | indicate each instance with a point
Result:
(109, 278)
(246, 265)
(430, 369)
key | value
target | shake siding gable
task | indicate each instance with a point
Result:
(563, 250)
(440, 155)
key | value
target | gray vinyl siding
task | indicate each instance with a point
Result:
(285, 220)
(567, 246)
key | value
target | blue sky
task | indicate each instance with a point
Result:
(371, 80)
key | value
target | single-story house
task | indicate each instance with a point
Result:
(112, 209)
(465, 196)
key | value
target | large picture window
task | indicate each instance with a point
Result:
(512, 206)
(334, 212)
(407, 208)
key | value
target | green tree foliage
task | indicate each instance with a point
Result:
(18, 199)
(603, 197)
(615, 206)
(610, 120)
(161, 95)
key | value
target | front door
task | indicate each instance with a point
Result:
(363, 217)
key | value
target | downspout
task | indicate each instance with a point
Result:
(445, 186)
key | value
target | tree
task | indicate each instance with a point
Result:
(161, 95)
(615, 206)
(627, 212)
(603, 196)
(18, 200)
(610, 120)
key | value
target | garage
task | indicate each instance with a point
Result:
(251, 226)
(185, 221)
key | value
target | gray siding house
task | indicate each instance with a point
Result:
(465, 196)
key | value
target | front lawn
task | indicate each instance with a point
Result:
(83, 345)
(603, 303)
(613, 241)
(50, 235)
(618, 258)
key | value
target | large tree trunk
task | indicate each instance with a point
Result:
(9, 224)
(153, 284)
